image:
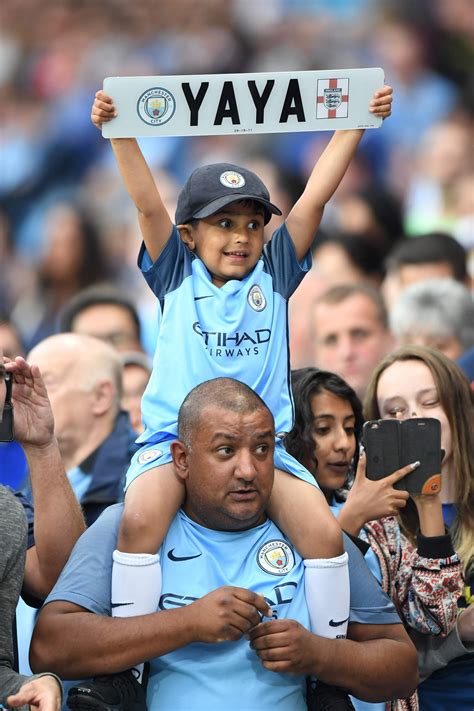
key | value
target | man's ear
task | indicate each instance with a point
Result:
(186, 234)
(104, 395)
(179, 452)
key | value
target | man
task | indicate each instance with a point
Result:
(437, 313)
(225, 567)
(58, 524)
(433, 255)
(83, 376)
(350, 333)
(104, 312)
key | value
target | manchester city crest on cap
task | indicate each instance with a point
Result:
(256, 298)
(156, 106)
(232, 179)
(149, 455)
(276, 558)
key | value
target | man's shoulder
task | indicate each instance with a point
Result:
(11, 498)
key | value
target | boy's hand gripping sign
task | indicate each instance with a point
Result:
(218, 104)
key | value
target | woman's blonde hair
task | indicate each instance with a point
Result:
(457, 401)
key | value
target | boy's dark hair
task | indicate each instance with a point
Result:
(429, 247)
(97, 295)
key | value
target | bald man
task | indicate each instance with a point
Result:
(227, 570)
(83, 376)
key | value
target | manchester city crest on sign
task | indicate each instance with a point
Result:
(333, 98)
(256, 298)
(149, 455)
(276, 558)
(231, 179)
(156, 106)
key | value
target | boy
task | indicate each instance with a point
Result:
(223, 299)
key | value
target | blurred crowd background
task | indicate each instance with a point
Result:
(65, 219)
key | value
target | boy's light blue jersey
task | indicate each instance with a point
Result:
(239, 330)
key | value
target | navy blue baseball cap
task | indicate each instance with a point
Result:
(212, 187)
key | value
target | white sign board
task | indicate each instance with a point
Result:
(217, 104)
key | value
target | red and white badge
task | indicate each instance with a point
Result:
(333, 98)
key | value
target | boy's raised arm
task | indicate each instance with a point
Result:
(304, 218)
(155, 223)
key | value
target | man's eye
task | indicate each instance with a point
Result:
(330, 341)
(262, 449)
(360, 335)
(225, 450)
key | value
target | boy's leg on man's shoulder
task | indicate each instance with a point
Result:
(153, 496)
(300, 509)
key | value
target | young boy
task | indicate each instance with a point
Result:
(223, 297)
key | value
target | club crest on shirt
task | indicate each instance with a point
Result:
(256, 298)
(232, 179)
(276, 558)
(149, 455)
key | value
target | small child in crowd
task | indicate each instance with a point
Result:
(223, 297)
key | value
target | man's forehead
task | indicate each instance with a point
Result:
(217, 418)
(355, 310)
(412, 273)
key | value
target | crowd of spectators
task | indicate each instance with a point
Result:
(396, 244)
(65, 222)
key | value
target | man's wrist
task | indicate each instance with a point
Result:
(45, 448)
(190, 627)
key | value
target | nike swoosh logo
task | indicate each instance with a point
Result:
(337, 623)
(120, 604)
(171, 556)
(198, 298)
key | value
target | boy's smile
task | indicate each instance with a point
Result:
(230, 242)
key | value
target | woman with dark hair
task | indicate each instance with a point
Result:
(73, 257)
(422, 574)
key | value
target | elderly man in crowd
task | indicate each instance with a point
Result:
(83, 376)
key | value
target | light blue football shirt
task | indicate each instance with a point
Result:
(239, 330)
(196, 560)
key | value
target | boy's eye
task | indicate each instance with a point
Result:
(254, 225)
(225, 223)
